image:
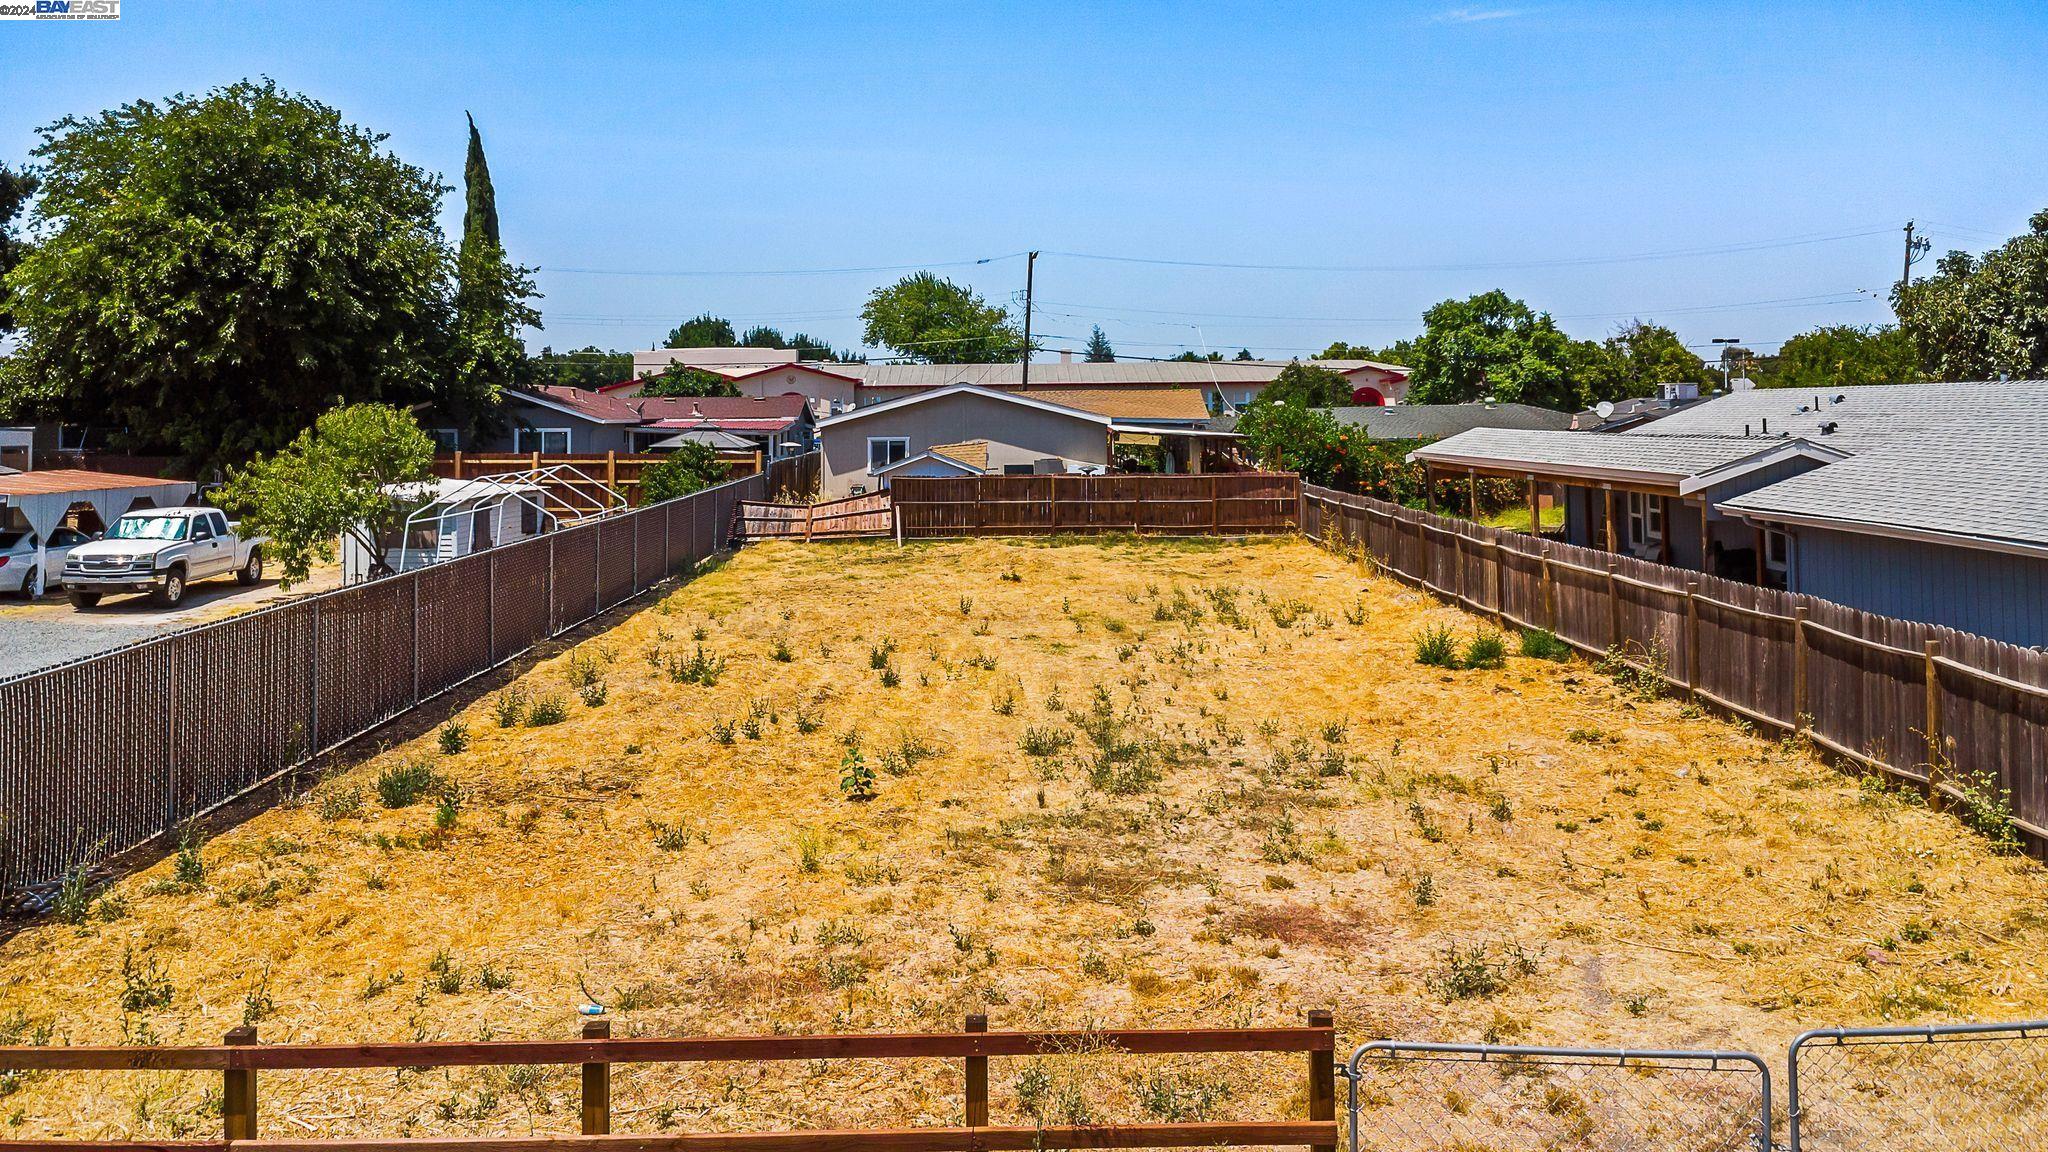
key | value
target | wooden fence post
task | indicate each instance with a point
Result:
(1500, 581)
(238, 1091)
(1936, 799)
(1549, 594)
(1215, 509)
(1322, 1079)
(597, 1084)
(977, 1078)
(1799, 717)
(1613, 607)
(611, 470)
(1692, 640)
(458, 465)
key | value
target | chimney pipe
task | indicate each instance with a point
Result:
(1066, 356)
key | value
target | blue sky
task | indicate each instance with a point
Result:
(1450, 148)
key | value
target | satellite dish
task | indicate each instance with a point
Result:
(1605, 409)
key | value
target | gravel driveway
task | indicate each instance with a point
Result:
(50, 632)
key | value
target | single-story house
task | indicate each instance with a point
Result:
(558, 420)
(833, 387)
(1923, 501)
(967, 429)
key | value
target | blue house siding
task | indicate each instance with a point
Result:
(1989, 593)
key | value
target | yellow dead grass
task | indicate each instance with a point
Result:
(1281, 783)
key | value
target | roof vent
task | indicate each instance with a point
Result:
(1827, 428)
(1841, 396)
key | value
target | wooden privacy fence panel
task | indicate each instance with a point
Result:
(864, 515)
(106, 753)
(795, 476)
(240, 1060)
(1924, 703)
(1209, 504)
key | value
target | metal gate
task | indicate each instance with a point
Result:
(1412, 1097)
(1981, 1087)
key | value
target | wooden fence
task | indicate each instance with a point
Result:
(618, 471)
(866, 515)
(241, 1058)
(106, 753)
(1925, 704)
(1207, 504)
(795, 476)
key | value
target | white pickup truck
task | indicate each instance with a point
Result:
(161, 551)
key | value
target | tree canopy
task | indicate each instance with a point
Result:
(329, 482)
(1099, 351)
(491, 306)
(683, 380)
(939, 322)
(1842, 354)
(702, 331)
(215, 268)
(586, 367)
(1307, 386)
(1646, 355)
(1492, 345)
(16, 190)
(1979, 317)
(687, 469)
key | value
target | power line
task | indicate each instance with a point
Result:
(1479, 266)
(782, 271)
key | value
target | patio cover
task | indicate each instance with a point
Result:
(44, 497)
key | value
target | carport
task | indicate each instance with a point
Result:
(41, 500)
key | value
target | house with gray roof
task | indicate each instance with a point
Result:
(1922, 501)
(1436, 421)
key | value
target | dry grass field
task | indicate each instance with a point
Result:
(1132, 783)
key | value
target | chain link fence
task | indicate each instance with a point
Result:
(1945, 1088)
(1412, 1097)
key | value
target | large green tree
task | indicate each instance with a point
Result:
(1099, 351)
(1492, 345)
(491, 302)
(16, 190)
(1646, 355)
(702, 331)
(214, 269)
(1307, 386)
(586, 367)
(682, 380)
(688, 469)
(939, 322)
(330, 482)
(1842, 354)
(1980, 317)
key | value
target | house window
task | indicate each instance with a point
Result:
(445, 439)
(1645, 519)
(886, 450)
(1777, 550)
(1017, 469)
(547, 441)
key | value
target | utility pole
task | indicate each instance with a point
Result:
(1030, 266)
(1914, 250)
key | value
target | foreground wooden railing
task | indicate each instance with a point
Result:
(240, 1058)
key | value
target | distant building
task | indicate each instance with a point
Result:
(1436, 421)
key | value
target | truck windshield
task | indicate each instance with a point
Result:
(149, 528)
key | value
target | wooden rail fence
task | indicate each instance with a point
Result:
(1206, 504)
(1940, 709)
(104, 754)
(240, 1058)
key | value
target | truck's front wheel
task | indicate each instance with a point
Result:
(83, 600)
(253, 570)
(172, 591)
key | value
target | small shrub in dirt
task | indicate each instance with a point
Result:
(856, 779)
(1425, 890)
(1486, 650)
(454, 738)
(1986, 808)
(339, 803)
(1470, 973)
(190, 868)
(508, 707)
(492, 979)
(890, 678)
(1543, 644)
(446, 811)
(1046, 741)
(403, 785)
(143, 986)
(878, 654)
(444, 973)
(724, 730)
(1436, 647)
(1012, 576)
(810, 850)
(698, 668)
(593, 694)
(779, 651)
(75, 896)
(546, 710)
(808, 720)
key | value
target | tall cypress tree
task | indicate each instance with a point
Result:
(480, 218)
(491, 299)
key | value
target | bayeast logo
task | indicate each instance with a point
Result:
(60, 10)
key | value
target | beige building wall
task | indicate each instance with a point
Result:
(1016, 434)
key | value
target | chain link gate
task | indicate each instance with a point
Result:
(1413, 1097)
(1974, 1087)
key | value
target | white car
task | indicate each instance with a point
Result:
(19, 565)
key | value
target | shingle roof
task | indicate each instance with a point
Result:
(786, 406)
(1867, 415)
(1986, 488)
(1128, 403)
(1082, 374)
(598, 406)
(1435, 421)
(972, 453)
(1661, 459)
